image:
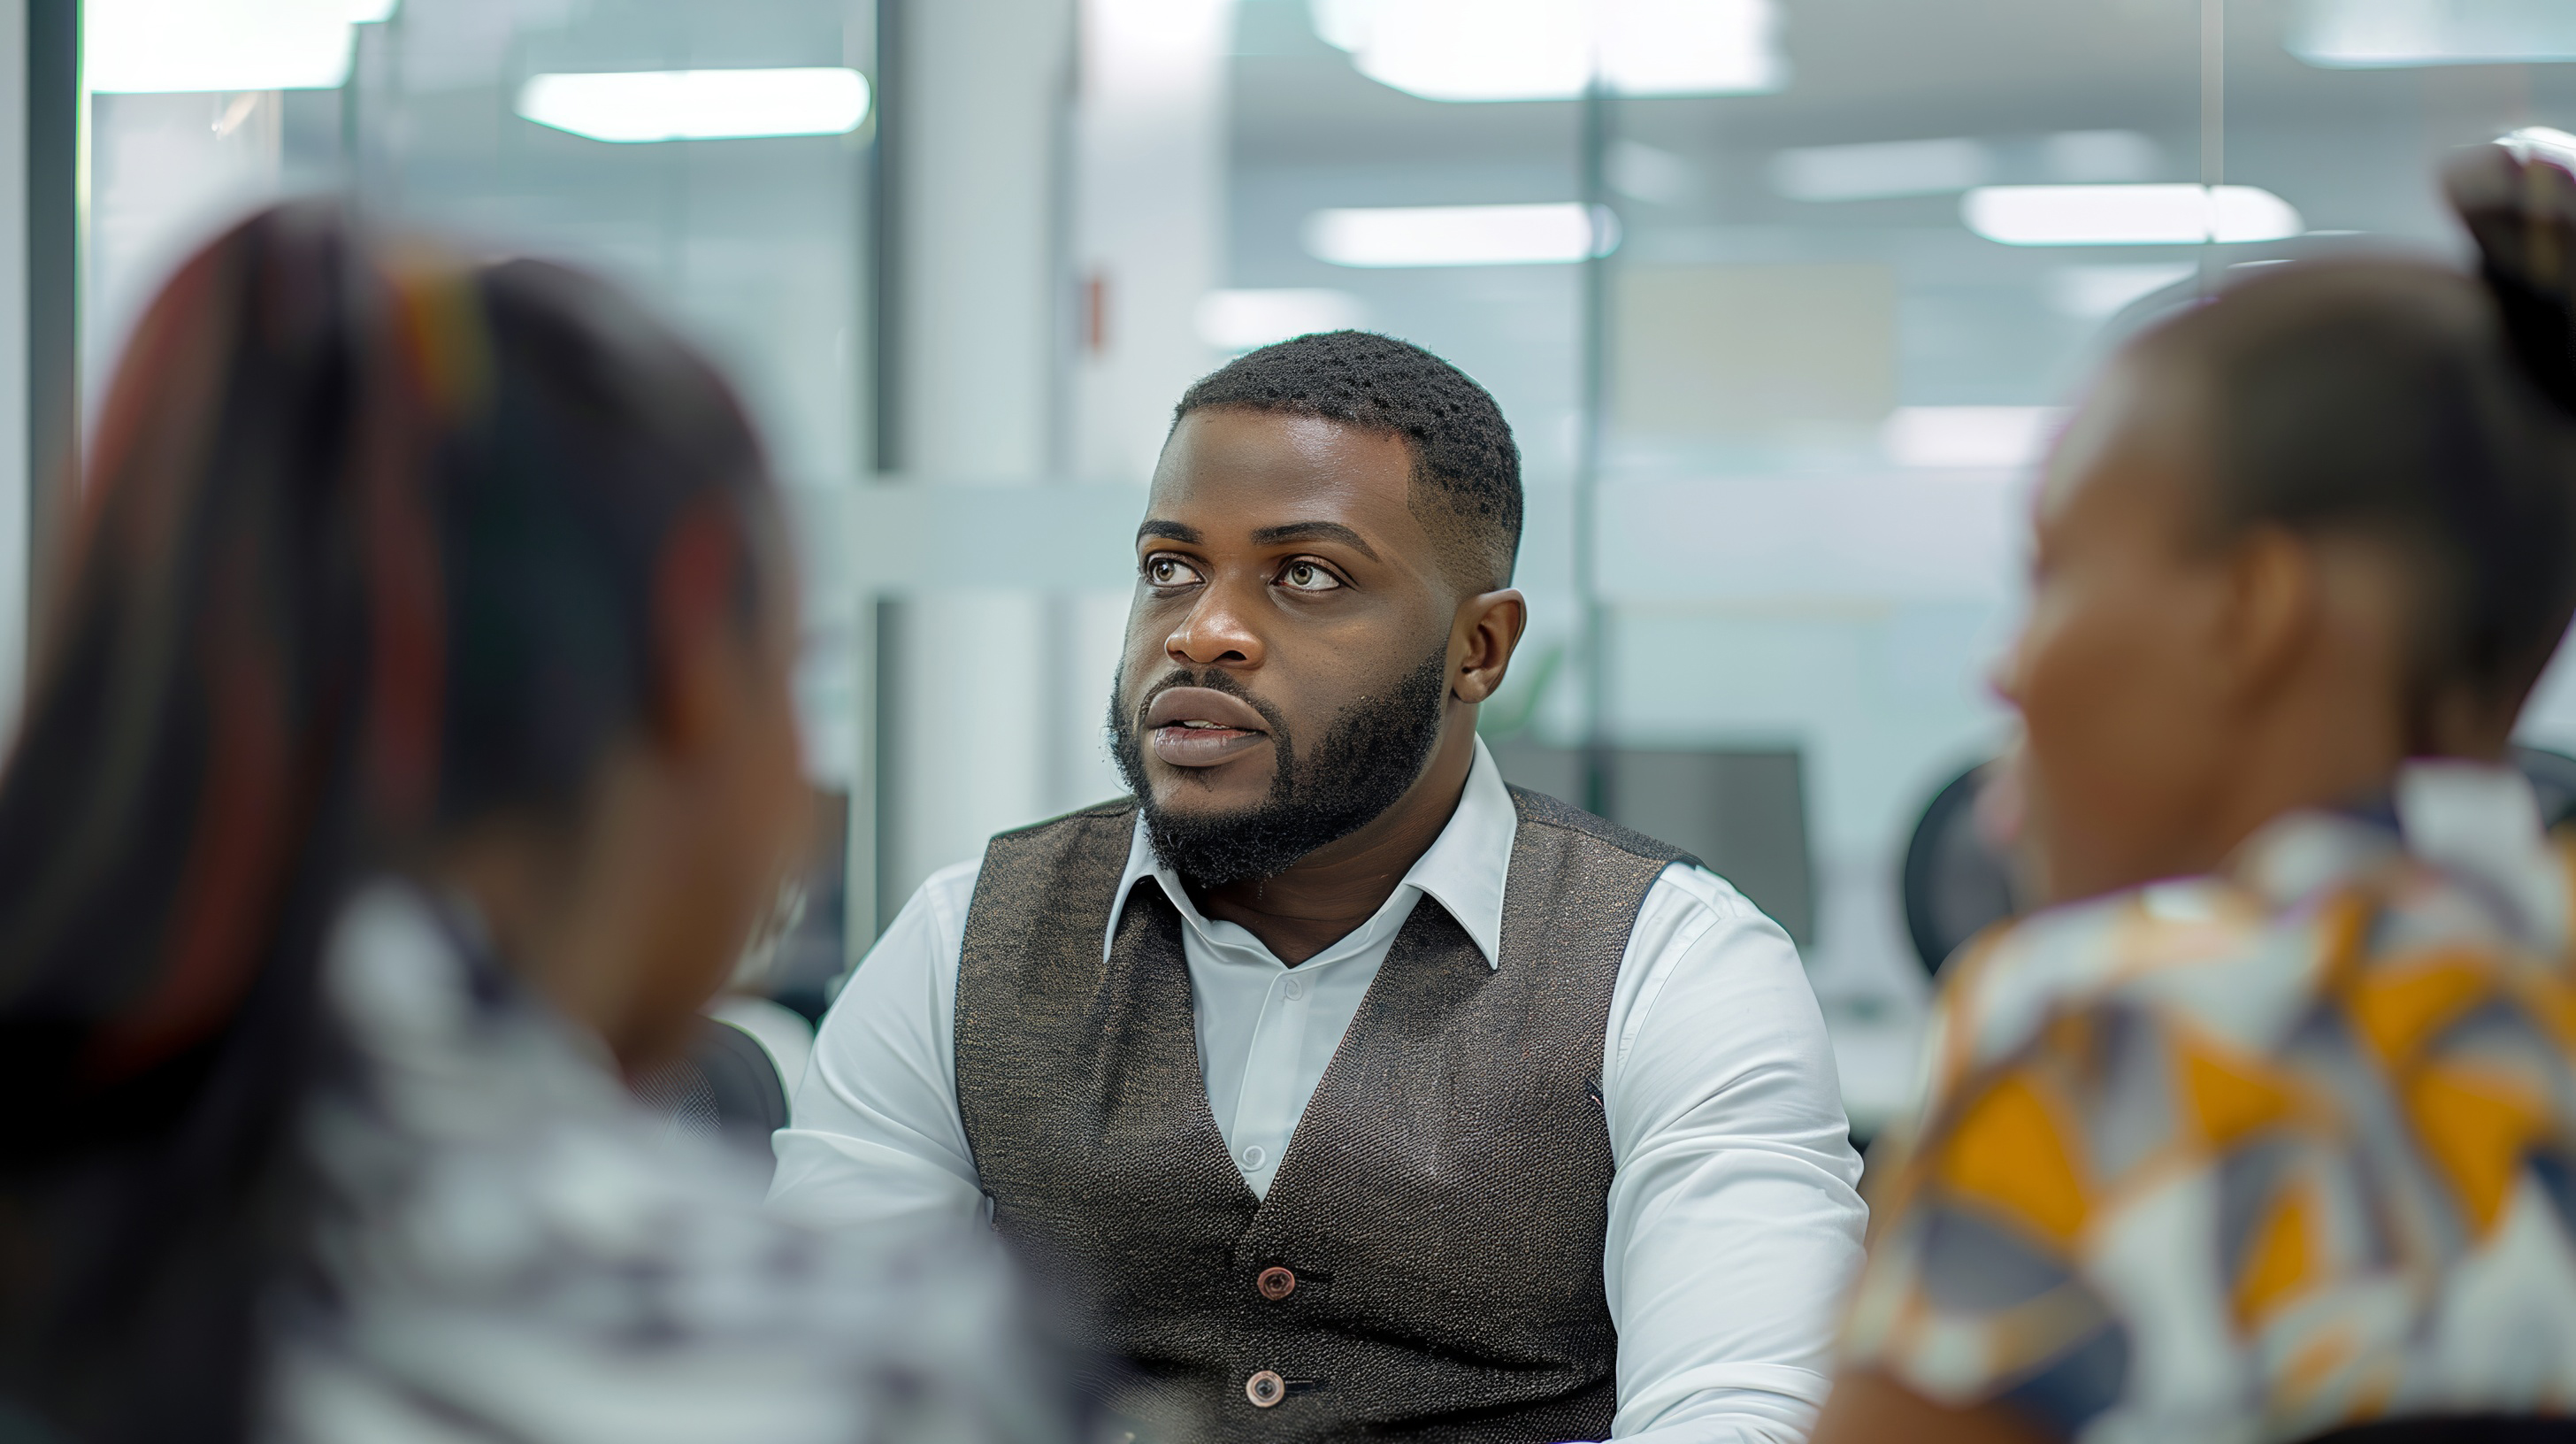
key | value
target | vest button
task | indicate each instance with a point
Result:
(1265, 1389)
(1275, 1283)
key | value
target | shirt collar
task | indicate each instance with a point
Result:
(2477, 822)
(1464, 867)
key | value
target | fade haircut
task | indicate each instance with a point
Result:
(1466, 487)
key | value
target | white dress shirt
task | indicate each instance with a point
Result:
(1733, 1223)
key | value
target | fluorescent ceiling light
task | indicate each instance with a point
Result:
(1691, 47)
(1241, 320)
(1480, 49)
(1969, 436)
(2378, 34)
(176, 45)
(2115, 215)
(1473, 50)
(650, 105)
(1892, 168)
(1344, 24)
(1461, 235)
(2089, 293)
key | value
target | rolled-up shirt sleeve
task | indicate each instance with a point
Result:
(1734, 1222)
(873, 1134)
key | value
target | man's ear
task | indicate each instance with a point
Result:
(696, 635)
(1491, 624)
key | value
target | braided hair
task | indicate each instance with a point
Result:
(364, 554)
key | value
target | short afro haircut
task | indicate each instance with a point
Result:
(1466, 471)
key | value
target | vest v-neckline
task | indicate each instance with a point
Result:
(1405, 946)
(1411, 948)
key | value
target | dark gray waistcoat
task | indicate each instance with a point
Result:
(1441, 1206)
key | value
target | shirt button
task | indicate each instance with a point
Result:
(1265, 1389)
(1275, 1283)
(1296, 989)
(1252, 1156)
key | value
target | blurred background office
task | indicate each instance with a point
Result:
(1779, 295)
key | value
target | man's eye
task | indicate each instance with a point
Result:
(1168, 571)
(1307, 577)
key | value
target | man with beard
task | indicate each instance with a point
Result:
(1338, 1089)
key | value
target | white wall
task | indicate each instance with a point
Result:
(1149, 221)
(982, 86)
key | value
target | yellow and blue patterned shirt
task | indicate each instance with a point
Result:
(2252, 1156)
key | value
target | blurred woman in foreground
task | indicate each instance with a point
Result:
(2276, 1136)
(410, 752)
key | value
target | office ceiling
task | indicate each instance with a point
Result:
(1869, 70)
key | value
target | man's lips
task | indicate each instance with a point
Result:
(1201, 727)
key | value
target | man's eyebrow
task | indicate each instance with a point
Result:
(1169, 531)
(1296, 531)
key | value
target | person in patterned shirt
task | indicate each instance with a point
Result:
(2267, 1131)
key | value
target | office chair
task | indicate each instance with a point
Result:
(1956, 880)
(731, 1086)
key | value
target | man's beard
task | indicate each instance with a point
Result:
(1370, 755)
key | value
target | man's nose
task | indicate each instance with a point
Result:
(1216, 633)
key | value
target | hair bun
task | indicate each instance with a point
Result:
(2521, 209)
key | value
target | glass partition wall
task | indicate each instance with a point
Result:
(1826, 272)
(714, 158)
(1782, 297)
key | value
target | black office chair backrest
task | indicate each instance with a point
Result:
(726, 1087)
(1956, 882)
